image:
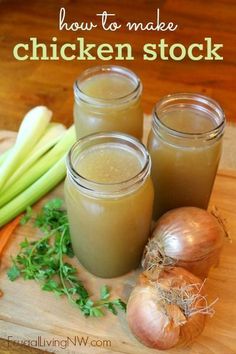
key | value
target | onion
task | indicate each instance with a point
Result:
(187, 237)
(167, 308)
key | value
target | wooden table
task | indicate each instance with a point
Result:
(29, 83)
(27, 313)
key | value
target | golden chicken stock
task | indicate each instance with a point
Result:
(109, 197)
(108, 98)
(185, 147)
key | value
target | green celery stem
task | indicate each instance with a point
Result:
(33, 193)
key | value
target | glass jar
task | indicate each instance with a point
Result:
(108, 98)
(109, 197)
(185, 146)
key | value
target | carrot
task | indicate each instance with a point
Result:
(6, 232)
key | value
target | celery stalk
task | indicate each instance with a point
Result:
(40, 167)
(31, 129)
(32, 194)
(52, 135)
(4, 155)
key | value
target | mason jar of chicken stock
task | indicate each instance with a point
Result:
(109, 197)
(108, 98)
(185, 145)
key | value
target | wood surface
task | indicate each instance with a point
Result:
(28, 313)
(25, 84)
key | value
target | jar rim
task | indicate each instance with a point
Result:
(114, 188)
(199, 100)
(96, 70)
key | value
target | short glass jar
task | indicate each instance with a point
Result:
(185, 146)
(108, 98)
(109, 197)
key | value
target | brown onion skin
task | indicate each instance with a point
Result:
(195, 324)
(143, 326)
(143, 305)
(192, 237)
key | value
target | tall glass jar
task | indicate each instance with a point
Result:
(108, 98)
(185, 147)
(109, 197)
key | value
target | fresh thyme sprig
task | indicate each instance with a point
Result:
(44, 260)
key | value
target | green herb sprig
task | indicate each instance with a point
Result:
(44, 260)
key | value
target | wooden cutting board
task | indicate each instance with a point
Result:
(41, 320)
